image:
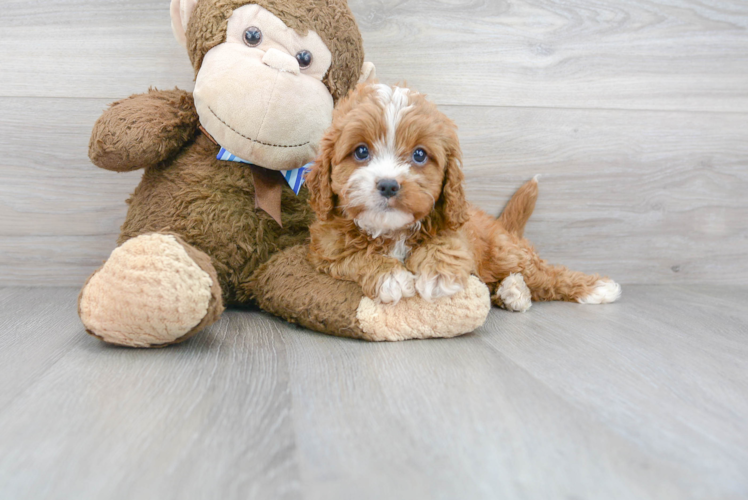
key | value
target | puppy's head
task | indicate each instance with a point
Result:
(389, 160)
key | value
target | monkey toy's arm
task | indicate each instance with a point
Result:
(143, 130)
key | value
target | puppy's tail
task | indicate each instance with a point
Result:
(520, 208)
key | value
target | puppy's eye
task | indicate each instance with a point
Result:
(305, 59)
(361, 153)
(420, 156)
(253, 36)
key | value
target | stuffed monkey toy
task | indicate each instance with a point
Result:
(221, 216)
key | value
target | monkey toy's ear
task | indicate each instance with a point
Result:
(368, 73)
(181, 10)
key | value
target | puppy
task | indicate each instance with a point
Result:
(392, 216)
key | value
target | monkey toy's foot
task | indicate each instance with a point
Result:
(154, 290)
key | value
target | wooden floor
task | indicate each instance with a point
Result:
(647, 398)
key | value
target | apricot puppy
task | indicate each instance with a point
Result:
(392, 216)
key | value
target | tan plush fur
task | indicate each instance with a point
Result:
(168, 297)
(414, 318)
(257, 101)
(330, 19)
(446, 238)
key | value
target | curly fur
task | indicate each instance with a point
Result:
(448, 238)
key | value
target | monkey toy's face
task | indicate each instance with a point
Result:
(260, 93)
(265, 79)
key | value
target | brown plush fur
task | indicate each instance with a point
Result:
(210, 204)
(450, 239)
(185, 190)
(288, 286)
(156, 126)
(332, 20)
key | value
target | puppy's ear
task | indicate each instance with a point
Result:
(319, 181)
(452, 203)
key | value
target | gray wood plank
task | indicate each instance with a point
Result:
(623, 401)
(208, 419)
(646, 197)
(449, 420)
(89, 49)
(663, 54)
(643, 399)
(48, 185)
(45, 333)
(666, 54)
(667, 373)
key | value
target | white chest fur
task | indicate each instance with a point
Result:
(400, 250)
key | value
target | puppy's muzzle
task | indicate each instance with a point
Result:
(388, 187)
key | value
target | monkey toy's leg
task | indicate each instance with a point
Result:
(153, 291)
(290, 287)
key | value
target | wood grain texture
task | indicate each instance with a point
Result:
(637, 114)
(643, 399)
(663, 54)
(645, 197)
(667, 54)
(103, 422)
(89, 49)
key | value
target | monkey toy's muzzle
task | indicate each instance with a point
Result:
(264, 110)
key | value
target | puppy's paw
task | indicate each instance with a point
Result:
(434, 286)
(513, 294)
(396, 285)
(605, 292)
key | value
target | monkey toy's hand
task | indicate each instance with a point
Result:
(143, 130)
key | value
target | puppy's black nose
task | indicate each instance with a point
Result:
(388, 187)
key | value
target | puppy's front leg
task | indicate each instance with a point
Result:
(380, 276)
(442, 266)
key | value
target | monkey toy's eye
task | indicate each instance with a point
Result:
(253, 36)
(361, 153)
(305, 59)
(420, 156)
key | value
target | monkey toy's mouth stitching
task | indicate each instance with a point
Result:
(255, 140)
